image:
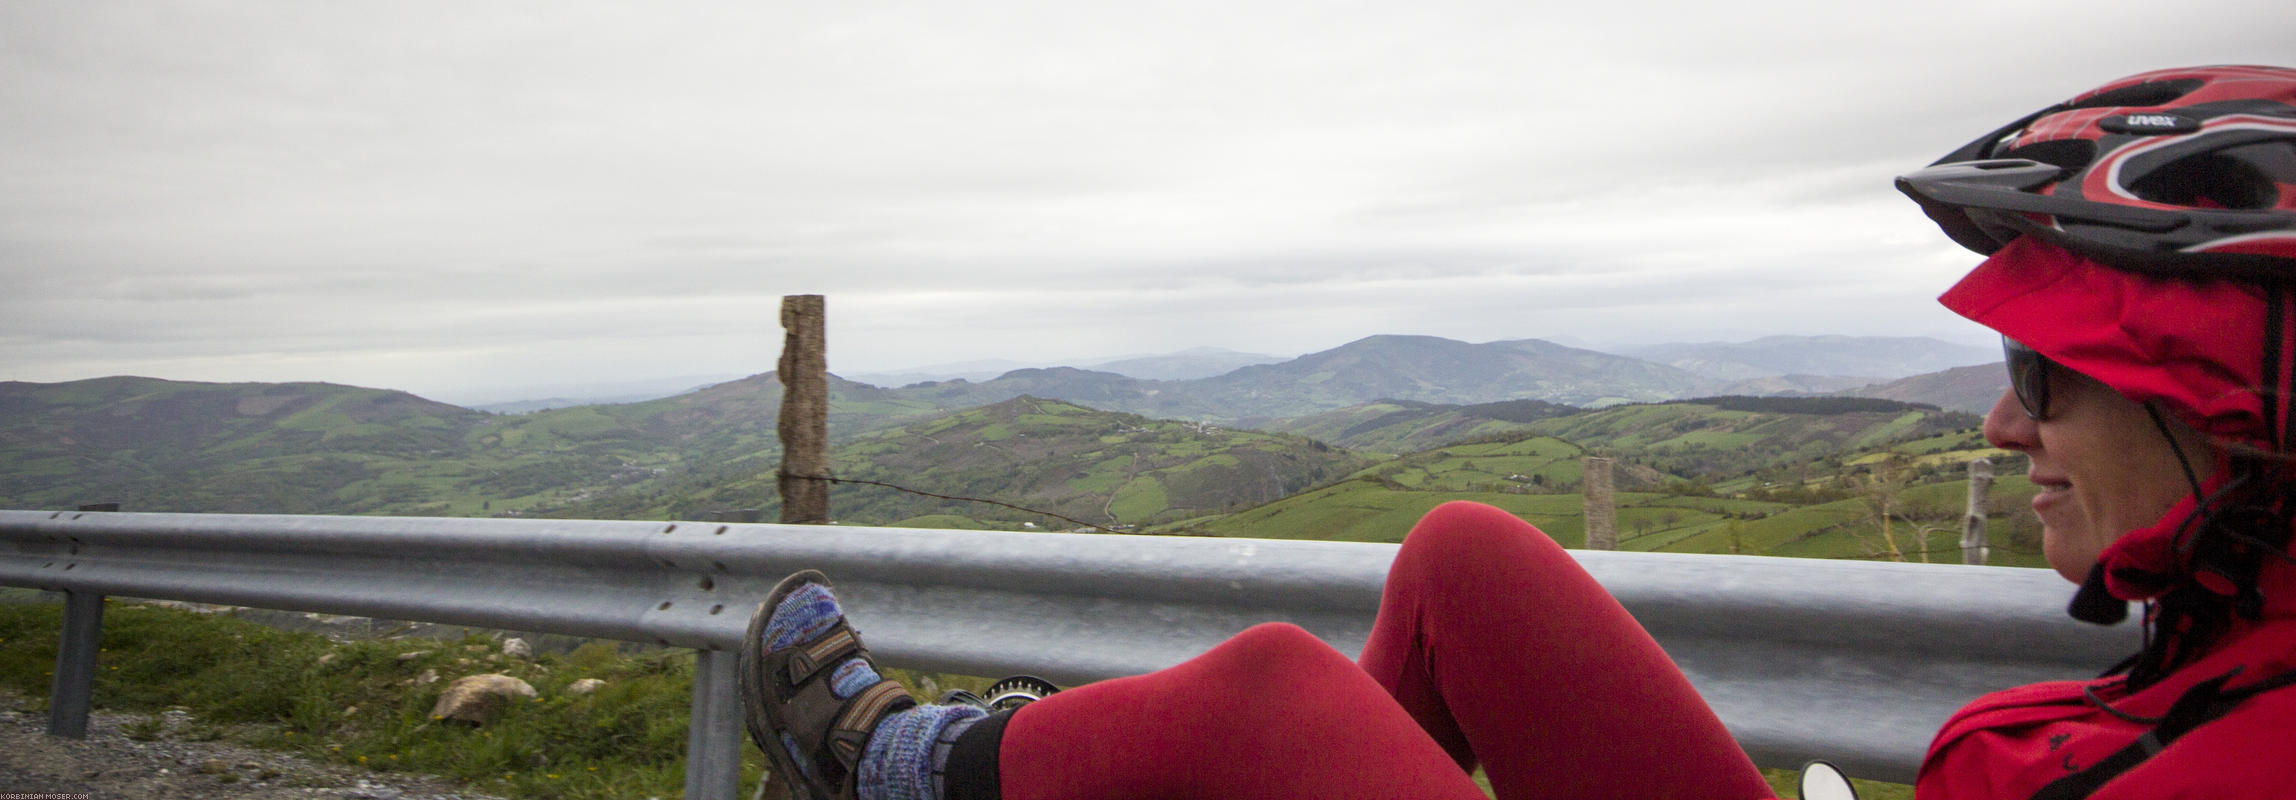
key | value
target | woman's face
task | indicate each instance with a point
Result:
(2102, 466)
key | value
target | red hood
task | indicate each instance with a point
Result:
(2197, 345)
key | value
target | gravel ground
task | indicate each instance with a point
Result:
(110, 766)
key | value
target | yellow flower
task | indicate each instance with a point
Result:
(362, 759)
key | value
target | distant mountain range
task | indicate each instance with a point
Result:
(1199, 362)
(1411, 369)
(1868, 356)
(1428, 369)
(1769, 365)
(568, 395)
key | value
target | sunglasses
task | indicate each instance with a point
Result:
(2028, 376)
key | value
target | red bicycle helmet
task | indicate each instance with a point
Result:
(2180, 170)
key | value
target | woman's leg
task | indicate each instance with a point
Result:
(1491, 646)
(1510, 655)
(1271, 713)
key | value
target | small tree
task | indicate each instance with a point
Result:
(1882, 488)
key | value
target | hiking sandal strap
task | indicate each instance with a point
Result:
(851, 733)
(840, 644)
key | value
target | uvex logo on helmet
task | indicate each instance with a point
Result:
(2149, 124)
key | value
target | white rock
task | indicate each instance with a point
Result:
(584, 686)
(516, 648)
(478, 698)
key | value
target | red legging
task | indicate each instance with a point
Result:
(1492, 647)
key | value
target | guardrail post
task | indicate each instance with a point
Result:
(713, 738)
(68, 694)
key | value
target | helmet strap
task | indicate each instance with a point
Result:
(2152, 409)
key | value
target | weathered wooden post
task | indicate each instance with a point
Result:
(1601, 513)
(1973, 546)
(804, 373)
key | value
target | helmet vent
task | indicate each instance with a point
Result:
(2156, 93)
(2209, 181)
(2065, 154)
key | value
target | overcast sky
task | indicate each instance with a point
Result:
(475, 200)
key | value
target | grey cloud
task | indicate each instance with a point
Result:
(574, 186)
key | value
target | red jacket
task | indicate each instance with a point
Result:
(2011, 743)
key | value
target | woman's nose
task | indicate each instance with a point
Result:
(2007, 427)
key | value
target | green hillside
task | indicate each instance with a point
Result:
(1811, 477)
(1405, 426)
(1715, 438)
(1783, 476)
(213, 447)
(1370, 511)
(155, 445)
(1100, 467)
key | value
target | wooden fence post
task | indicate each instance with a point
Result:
(1601, 512)
(1973, 545)
(804, 373)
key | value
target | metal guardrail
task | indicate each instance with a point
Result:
(1856, 662)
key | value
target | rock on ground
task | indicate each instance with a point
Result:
(477, 698)
(109, 765)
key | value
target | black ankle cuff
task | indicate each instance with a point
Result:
(972, 771)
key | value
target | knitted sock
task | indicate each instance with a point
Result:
(803, 615)
(909, 752)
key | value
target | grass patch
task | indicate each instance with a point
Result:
(1787, 784)
(365, 703)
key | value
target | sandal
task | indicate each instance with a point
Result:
(813, 736)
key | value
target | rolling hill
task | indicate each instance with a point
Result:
(1098, 467)
(1435, 370)
(321, 448)
(1729, 474)
(1970, 389)
(1713, 438)
(1405, 426)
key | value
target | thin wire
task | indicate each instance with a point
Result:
(832, 479)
